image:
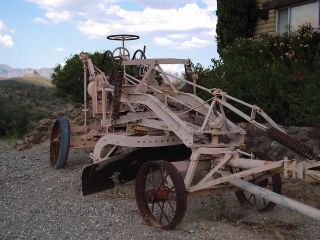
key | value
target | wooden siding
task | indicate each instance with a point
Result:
(269, 25)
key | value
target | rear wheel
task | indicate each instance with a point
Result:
(271, 181)
(60, 142)
(161, 194)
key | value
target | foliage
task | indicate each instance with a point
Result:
(235, 19)
(68, 79)
(13, 119)
(280, 73)
(23, 104)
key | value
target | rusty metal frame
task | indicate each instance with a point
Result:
(164, 116)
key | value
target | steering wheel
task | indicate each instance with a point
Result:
(123, 37)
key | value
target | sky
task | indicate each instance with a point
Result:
(43, 33)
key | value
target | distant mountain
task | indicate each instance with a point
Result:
(9, 72)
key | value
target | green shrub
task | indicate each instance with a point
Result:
(14, 118)
(235, 19)
(69, 78)
(280, 73)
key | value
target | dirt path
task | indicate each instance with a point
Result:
(38, 202)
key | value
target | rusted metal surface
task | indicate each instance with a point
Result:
(54, 144)
(141, 119)
(98, 176)
(160, 194)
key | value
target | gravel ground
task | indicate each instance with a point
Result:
(39, 202)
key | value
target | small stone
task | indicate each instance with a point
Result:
(274, 145)
(19, 142)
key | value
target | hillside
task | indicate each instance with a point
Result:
(24, 101)
(25, 81)
(9, 72)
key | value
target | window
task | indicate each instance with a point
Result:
(290, 18)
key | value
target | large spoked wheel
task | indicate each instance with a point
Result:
(108, 65)
(271, 181)
(139, 54)
(121, 52)
(139, 69)
(60, 141)
(161, 194)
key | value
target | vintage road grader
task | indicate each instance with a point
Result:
(175, 144)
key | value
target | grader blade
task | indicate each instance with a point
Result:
(102, 176)
(124, 167)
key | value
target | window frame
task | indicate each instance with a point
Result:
(289, 13)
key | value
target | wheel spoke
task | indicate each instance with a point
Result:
(173, 209)
(163, 181)
(264, 202)
(250, 197)
(163, 213)
(265, 180)
(150, 181)
(152, 207)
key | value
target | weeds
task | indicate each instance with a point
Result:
(121, 191)
(116, 181)
(219, 207)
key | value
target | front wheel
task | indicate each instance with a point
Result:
(60, 142)
(161, 194)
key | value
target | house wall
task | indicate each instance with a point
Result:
(265, 26)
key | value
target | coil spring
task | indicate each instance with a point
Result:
(117, 94)
(290, 142)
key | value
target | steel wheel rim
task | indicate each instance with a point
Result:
(158, 201)
(269, 181)
(257, 202)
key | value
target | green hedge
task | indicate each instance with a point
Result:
(68, 79)
(235, 19)
(280, 73)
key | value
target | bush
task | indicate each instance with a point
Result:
(69, 78)
(14, 118)
(280, 73)
(235, 19)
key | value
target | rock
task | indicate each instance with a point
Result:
(70, 108)
(77, 105)
(73, 115)
(19, 142)
(58, 114)
(274, 145)
(292, 130)
(45, 122)
(42, 128)
(303, 135)
(20, 147)
(24, 145)
(43, 138)
(36, 137)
